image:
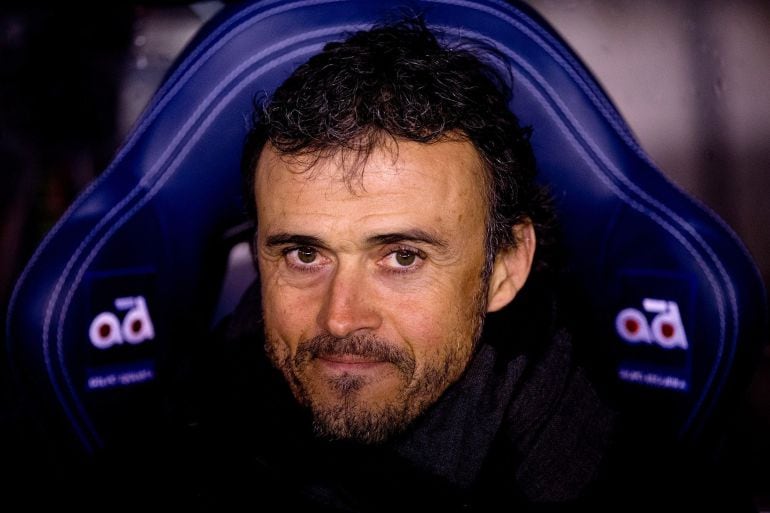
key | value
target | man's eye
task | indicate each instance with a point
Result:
(301, 256)
(403, 259)
(306, 255)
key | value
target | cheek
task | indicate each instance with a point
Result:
(289, 313)
(437, 317)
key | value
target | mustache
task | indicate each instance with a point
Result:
(366, 346)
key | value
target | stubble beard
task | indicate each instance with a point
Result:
(348, 416)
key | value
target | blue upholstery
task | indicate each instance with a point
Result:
(132, 273)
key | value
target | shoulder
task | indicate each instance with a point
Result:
(558, 428)
(574, 451)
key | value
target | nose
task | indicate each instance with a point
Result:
(348, 307)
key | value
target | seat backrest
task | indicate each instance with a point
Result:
(134, 271)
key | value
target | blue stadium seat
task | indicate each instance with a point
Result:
(137, 269)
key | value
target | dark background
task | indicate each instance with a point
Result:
(690, 77)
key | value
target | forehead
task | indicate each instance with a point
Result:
(440, 182)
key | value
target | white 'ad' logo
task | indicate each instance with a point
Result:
(666, 328)
(107, 330)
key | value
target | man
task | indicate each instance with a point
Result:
(395, 206)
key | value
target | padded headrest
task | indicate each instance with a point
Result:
(131, 274)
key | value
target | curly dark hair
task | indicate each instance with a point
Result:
(398, 81)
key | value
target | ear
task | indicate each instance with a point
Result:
(511, 268)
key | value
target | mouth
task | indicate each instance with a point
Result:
(349, 362)
(358, 354)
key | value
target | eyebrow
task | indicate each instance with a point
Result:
(415, 235)
(283, 239)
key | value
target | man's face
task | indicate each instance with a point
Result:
(371, 289)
